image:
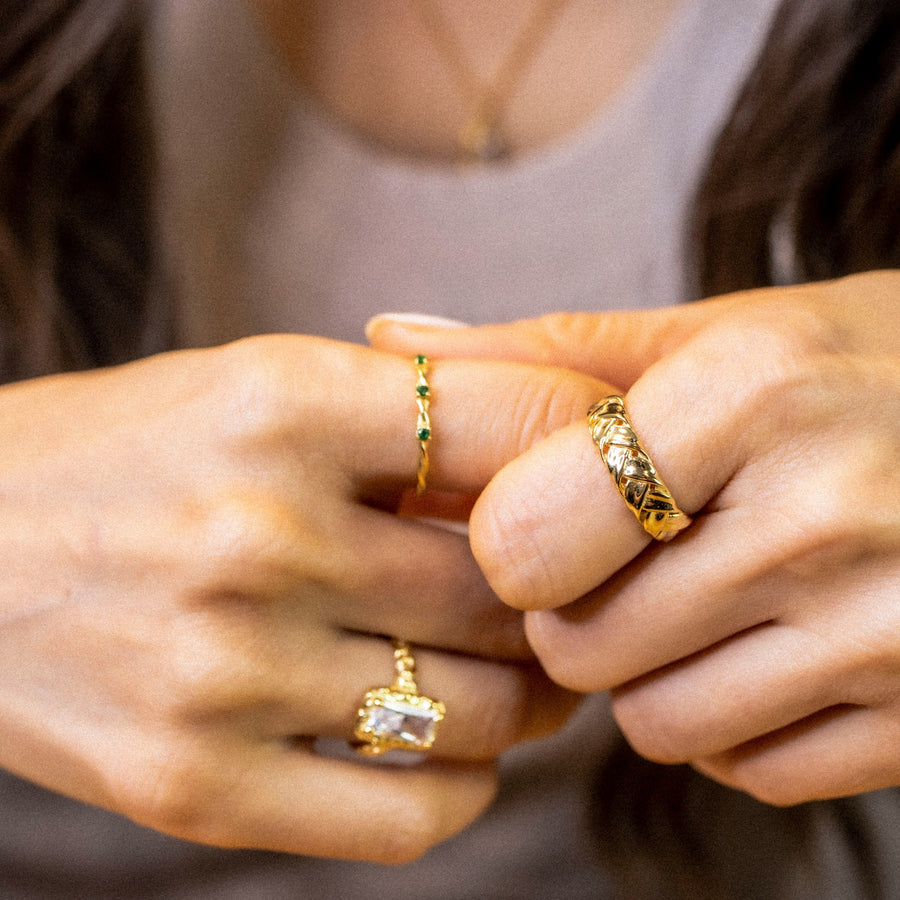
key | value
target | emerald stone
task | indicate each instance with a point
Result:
(423, 434)
(422, 390)
(420, 360)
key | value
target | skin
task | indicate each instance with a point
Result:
(200, 551)
(375, 68)
(203, 551)
(763, 644)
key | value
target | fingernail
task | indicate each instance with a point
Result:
(421, 319)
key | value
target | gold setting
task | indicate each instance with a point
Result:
(423, 420)
(397, 717)
(632, 471)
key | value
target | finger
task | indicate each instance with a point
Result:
(552, 526)
(489, 706)
(396, 579)
(352, 567)
(546, 545)
(618, 347)
(767, 547)
(357, 420)
(699, 415)
(731, 694)
(615, 347)
(839, 752)
(279, 797)
(486, 414)
(651, 614)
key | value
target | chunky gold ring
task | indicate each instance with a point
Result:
(634, 475)
(397, 717)
(423, 420)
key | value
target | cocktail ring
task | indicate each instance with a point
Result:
(397, 717)
(634, 475)
(423, 420)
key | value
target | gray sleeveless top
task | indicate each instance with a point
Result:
(280, 220)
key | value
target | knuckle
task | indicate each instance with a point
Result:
(761, 367)
(209, 666)
(415, 828)
(769, 784)
(549, 335)
(253, 380)
(871, 660)
(177, 793)
(830, 532)
(546, 400)
(570, 340)
(651, 727)
(553, 339)
(762, 357)
(829, 521)
(791, 321)
(559, 652)
(246, 543)
(204, 681)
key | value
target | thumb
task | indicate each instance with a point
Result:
(615, 347)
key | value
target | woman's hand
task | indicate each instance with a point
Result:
(198, 551)
(763, 644)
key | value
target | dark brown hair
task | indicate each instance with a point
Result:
(811, 154)
(74, 185)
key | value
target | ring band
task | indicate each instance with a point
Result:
(632, 471)
(423, 420)
(397, 717)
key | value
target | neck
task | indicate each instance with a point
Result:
(376, 67)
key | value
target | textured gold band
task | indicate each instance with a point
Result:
(634, 475)
(397, 717)
(423, 420)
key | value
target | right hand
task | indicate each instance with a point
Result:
(198, 551)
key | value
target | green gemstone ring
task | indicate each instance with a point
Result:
(423, 420)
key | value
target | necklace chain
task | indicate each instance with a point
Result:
(480, 138)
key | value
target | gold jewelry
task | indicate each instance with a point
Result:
(481, 138)
(423, 420)
(633, 473)
(397, 717)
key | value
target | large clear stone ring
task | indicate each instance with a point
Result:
(397, 717)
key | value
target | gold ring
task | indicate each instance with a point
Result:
(634, 475)
(397, 717)
(423, 420)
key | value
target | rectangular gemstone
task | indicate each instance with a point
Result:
(399, 720)
(391, 718)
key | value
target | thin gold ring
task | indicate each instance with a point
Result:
(397, 717)
(632, 471)
(423, 420)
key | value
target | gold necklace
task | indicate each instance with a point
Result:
(481, 137)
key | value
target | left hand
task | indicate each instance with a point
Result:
(763, 645)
